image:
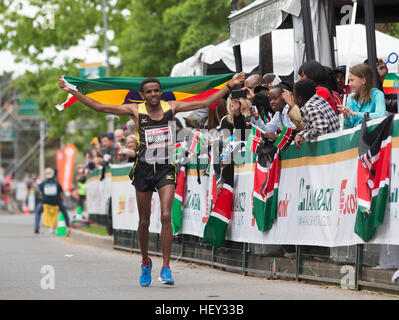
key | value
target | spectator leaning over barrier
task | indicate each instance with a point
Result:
(280, 119)
(108, 149)
(238, 114)
(262, 103)
(317, 115)
(333, 84)
(365, 101)
(118, 135)
(313, 70)
(128, 152)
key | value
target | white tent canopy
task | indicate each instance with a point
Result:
(283, 52)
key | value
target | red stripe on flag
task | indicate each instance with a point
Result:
(72, 100)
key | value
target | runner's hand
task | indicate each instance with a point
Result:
(237, 79)
(63, 85)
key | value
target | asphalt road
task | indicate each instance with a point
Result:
(45, 267)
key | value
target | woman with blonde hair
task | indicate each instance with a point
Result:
(239, 112)
(365, 100)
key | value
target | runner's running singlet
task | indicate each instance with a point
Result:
(155, 137)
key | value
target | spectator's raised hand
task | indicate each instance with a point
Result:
(250, 93)
(382, 69)
(288, 98)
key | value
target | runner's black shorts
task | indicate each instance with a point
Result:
(151, 177)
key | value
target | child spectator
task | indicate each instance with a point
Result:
(364, 100)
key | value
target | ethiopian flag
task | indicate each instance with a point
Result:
(118, 91)
(391, 83)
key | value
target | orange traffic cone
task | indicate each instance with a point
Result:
(26, 209)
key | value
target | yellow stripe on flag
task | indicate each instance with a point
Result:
(116, 97)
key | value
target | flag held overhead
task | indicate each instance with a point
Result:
(118, 91)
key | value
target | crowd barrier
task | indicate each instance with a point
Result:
(313, 236)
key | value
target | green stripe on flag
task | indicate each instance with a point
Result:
(215, 231)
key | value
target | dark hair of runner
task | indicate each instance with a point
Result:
(305, 89)
(148, 80)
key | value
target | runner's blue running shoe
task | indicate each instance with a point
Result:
(145, 278)
(166, 276)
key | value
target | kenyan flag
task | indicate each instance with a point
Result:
(177, 207)
(273, 178)
(216, 226)
(196, 142)
(285, 138)
(259, 192)
(373, 177)
(253, 140)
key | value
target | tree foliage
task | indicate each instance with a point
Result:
(150, 36)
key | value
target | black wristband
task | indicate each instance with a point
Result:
(228, 86)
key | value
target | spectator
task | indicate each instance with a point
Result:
(364, 100)
(270, 80)
(118, 135)
(333, 85)
(252, 81)
(216, 115)
(131, 128)
(52, 194)
(238, 114)
(314, 70)
(280, 117)
(128, 152)
(262, 103)
(391, 100)
(317, 116)
(108, 149)
(340, 77)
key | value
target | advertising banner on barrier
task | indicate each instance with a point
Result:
(67, 167)
(98, 191)
(317, 197)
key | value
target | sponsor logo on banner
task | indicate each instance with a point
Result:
(131, 205)
(193, 201)
(122, 204)
(312, 199)
(238, 211)
(316, 200)
(283, 206)
(347, 200)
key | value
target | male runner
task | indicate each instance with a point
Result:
(152, 170)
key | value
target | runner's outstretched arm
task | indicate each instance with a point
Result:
(182, 106)
(125, 109)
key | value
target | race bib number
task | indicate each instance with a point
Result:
(158, 137)
(50, 190)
